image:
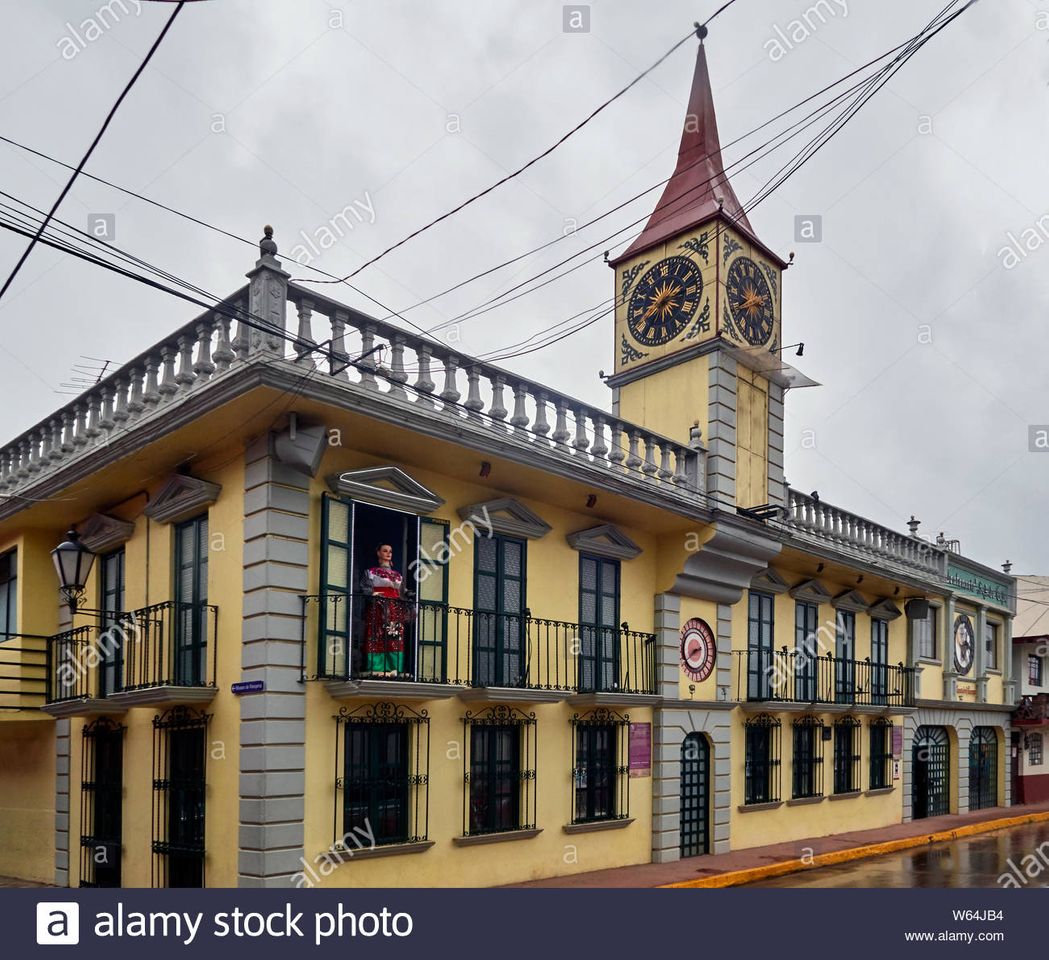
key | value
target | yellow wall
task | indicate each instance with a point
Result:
(671, 401)
(27, 800)
(752, 438)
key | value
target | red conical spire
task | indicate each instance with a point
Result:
(699, 181)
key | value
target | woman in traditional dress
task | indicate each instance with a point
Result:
(386, 616)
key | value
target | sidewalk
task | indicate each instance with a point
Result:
(758, 863)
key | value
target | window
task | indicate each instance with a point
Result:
(925, 632)
(845, 653)
(1034, 745)
(990, 639)
(879, 662)
(500, 771)
(600, 778)
(101, 803)
(111, 604)
(179, 786)
(846, 755)
(499, 600)
(760, 634)
(191, 597)
(806, 651)
(386, 774)
(808, 758)
(8, 594)
(881, 754)
(599, 624)
(1034, 669)
(762, 760)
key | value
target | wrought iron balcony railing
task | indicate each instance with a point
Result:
(365, 638)
(23, 671)
(164, 645)
(791, 676)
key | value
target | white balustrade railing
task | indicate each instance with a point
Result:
(848, 532)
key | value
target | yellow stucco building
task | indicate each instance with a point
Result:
(365, 611)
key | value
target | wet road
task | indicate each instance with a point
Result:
(1021, 853)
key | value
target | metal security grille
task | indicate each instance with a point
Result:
(807, 777)
(179, 786)
(762, 762)
(880, 754)
(600, 772)
(695, 795)
(931, 768)
(383, 793)
(983, 768)
(499, 771)
(101, 789)
(846, 755)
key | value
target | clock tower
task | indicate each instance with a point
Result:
(698, 320)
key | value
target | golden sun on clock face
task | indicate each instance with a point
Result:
(750, 300)
(664, 301)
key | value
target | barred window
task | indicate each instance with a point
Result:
(500, 776)
(880, 754)
(1034, 749)
(762, 760)
(600, 776)
(1034, 670)
(846, 755)
(101, 803)
(808, 758)
(383, 793)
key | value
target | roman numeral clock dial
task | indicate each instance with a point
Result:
(664, 301)
(750, 301)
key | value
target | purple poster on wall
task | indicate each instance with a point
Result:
(640, 749)
(897, 741)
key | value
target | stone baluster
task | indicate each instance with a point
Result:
(23, 459)
(398, 375)
(339, 357)
(168, 384)
(616, 454)
(473, 392)
(498, 409)
(45, 445)
(203, 366)
(665, 473)
(680, 465)
(106, 421)
(649, 467)
(80, 415)
(151, 395)
(135, 403)
(120, 411)
(185, 376)
(366, 365)
(561, 434)
(424, 384)
(633, 461)
(450, 394)
(242, 341)
(540, 425)
(581, 441)
(57, 433)
(69, 428)
(5, 468)
(304, 342)
(599, 448)
(223, 355)
(520, 417)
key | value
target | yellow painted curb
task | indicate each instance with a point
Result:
(737, 878)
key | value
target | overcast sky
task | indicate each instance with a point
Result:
(288, 111)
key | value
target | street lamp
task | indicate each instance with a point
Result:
(73, 563)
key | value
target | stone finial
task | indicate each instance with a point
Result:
(267, 245)
(695, 436)
(913, 525)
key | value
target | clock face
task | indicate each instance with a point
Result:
(664, 301)
(699, 649)
(964, 644)
(750, 301)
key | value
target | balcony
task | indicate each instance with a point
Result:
(836, 684)
(422, 650)
(154, 656)
(1032, 710)
(23, 673)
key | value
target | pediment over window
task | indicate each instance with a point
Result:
(851, 600)
(885, 610)
(506, 516)
(811, 591)
(769, 581)
(387, 487)
(604, 541)
(182, 497)
(103, 533)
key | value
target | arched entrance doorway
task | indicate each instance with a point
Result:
(983, 768)
(931, 773)
(695, 795)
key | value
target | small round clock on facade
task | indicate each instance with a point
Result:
(750, 300)
(664, 301)
(964, 644)
(699, 649)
